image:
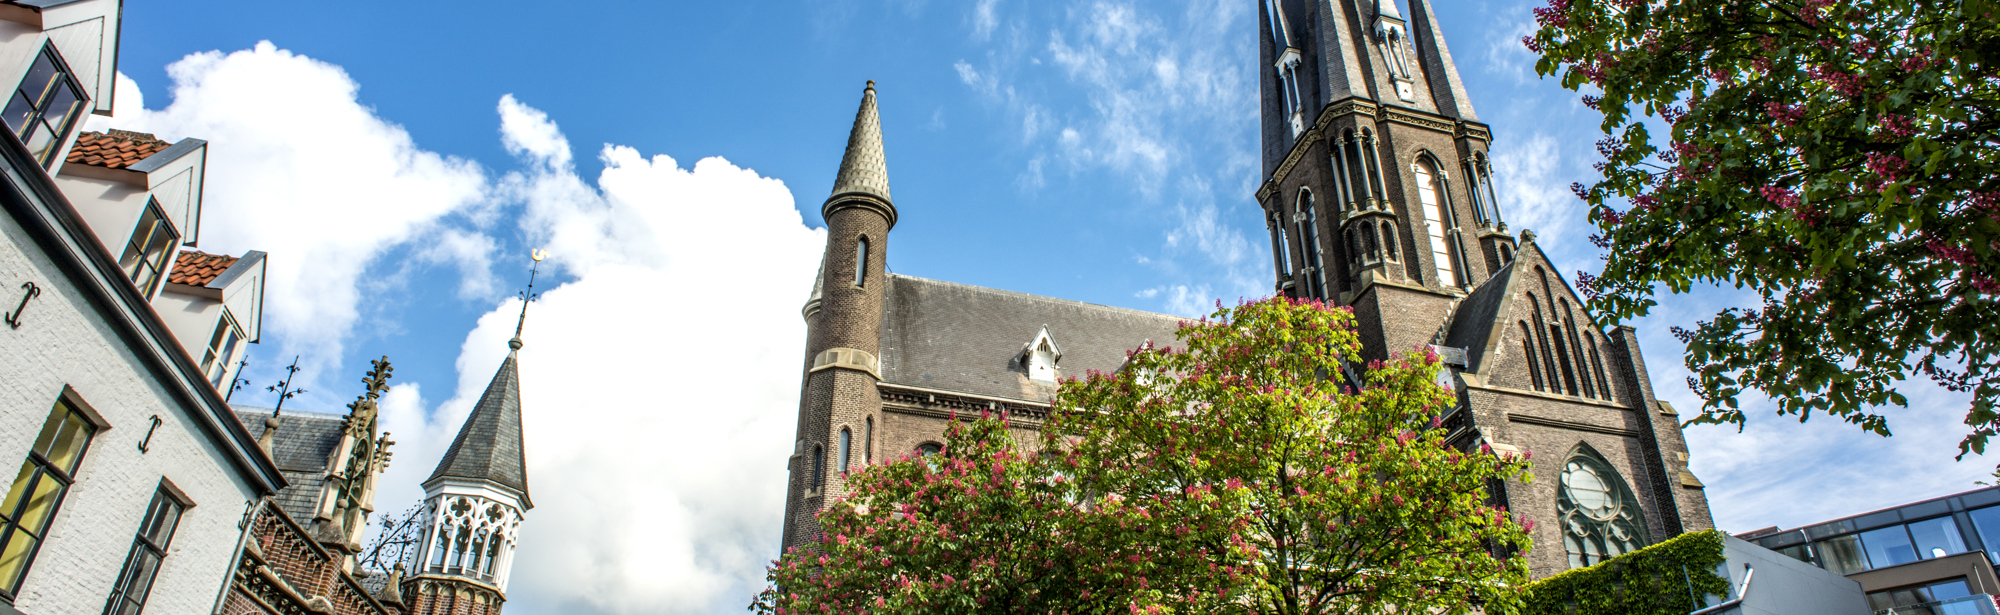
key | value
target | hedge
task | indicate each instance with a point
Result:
(1648, 581)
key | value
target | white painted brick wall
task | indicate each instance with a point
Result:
(63, 341)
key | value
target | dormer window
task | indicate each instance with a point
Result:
(45, 106)
(1041, 355)
(222, 349)
(147, 251)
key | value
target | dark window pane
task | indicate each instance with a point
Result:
(1937, 537)
(1798, 552)
(1889, 546)
(20, 109)
(1843, 555)
(1987, 520)
(1881, 601)
(36, 83)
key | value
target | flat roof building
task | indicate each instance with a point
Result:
(1931, 556)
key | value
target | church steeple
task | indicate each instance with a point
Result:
(864, 172)
(473, 502)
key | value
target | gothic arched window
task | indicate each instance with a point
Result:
(1433, 207)
(846, 450)
(443, 547)
(1309, 239)
(861, 263)
(1372, 250)
(1528, 352)
(1389, 241)
(929, 448)
(1599, 516)
(478, 551)
(819, 467)
(868, 441)
(1280, 256)
(492, 553)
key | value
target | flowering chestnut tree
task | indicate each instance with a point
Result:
(1839, 159)
(1237, 474)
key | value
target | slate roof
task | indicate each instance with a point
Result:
(117, 149)
(1472, 323)
(864, 169)
(303, 450)
(968, 339)
(199, 268)
(488, 446)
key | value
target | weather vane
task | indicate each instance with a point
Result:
(284, 388)
(528, 296)
(239, 382)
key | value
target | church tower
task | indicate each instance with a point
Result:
(1378, 195)
(474, 501)
(843, 329)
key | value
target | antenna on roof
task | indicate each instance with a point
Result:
(528, 296)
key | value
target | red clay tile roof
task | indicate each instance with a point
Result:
(116, 150)
(198, 269)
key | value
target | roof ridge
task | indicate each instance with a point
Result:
(1047, 298)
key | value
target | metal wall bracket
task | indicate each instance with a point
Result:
(14, 317)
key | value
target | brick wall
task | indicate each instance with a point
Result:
(65, 340)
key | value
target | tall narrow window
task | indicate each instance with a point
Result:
(1582, 359)
(156, 531)
(861, 262)
(1369, 249)
(492, 553)
(443, 547)
(1432, 206)
(1528, 352)
(868, 441)
(478, 552)
(819, 467)
(1309, 239)
(846, 450)
(1604, 384)
(1478, 195)
(1389, 241)
(458, 549)
(1376, 189)
(1280, 255)
(1563, 357)
(45, 106)
(222, 349)
(147, 251)
(38, 491)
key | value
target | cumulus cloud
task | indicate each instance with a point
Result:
(298, 166)
(658, 397)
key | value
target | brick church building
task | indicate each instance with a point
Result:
(1378, 196)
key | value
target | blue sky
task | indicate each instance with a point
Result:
(398, 160)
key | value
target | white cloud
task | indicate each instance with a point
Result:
(658, 397)
(299, 167)
(1529, 177)
(984, 19)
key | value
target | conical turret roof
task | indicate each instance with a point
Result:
(488, 446)
(864, 170)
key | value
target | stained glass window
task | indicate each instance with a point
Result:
(1600, 517)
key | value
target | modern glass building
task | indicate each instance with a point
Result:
(1935, 556)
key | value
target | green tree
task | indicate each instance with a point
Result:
(1234, 475)
(1838, 159)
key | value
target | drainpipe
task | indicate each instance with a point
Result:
(249, 521)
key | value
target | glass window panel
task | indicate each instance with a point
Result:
(67, 450)
(1987, 522)
(1881, 601)
(14, 559)
(139, 579)
(1937, 537)
(20, 483)
(42, 498)
(39, 141)
(1798, 552)
(1949, 590)
(1843, 555)
(20, 110)
(1889, 546)
(43, 73)
(61, 107)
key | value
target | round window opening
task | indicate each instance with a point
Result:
(1600, 517)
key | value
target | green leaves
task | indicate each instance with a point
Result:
(1836, 159)
(1229, 475)
(1662, 579)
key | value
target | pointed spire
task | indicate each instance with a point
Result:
(1387, 8)
(488, 446)
(864, 169)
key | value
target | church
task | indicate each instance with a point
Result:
(1378, 195)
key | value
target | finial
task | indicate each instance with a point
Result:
(871, 84)
(284, 387)
(527, 296)
(1527, 235)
